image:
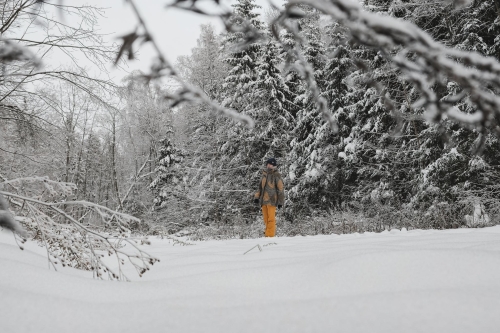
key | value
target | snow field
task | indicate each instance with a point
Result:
(416, 281)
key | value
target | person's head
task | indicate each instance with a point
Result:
(271, 163)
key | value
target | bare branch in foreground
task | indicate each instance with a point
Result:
(163, 68)
(79, 244)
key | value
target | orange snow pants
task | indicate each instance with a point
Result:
(269, 213)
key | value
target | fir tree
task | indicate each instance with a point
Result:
(169, 181)
(269, 103)
(317, 171)
(241, 56)
(273, 104)
(411, 161)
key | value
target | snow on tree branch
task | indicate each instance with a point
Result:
(7, 221)
(162, 67)
(78, 234)
(423, 61)
(12, 52)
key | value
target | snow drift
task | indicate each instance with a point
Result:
(398, 281)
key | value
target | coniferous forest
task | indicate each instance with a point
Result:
(388, 164)
(381, 114)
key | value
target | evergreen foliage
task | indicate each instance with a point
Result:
(384, 153)
(169, 181)
(415, 139)
(242, 61)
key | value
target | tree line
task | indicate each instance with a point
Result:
(389, 161)
(371, 127)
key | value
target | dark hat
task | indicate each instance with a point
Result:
(271, 161)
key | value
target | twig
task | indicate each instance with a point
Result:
(256, 246)
(186, 93)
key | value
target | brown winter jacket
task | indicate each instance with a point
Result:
(271, 189)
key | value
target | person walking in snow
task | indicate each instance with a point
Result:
(271, 195)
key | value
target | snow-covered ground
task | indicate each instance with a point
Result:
(416, 281)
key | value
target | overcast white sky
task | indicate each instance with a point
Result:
(176, 31)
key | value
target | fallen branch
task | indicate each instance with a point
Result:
(256, 246)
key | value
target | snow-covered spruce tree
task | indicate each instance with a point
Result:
(316, 171)
(314, 45)
(288, 53)
(272, 105)
(241, 55)
(230, 161)
(169, 184)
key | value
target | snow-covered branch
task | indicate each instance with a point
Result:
(163, 68)
(423, 61)
(79, 233)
